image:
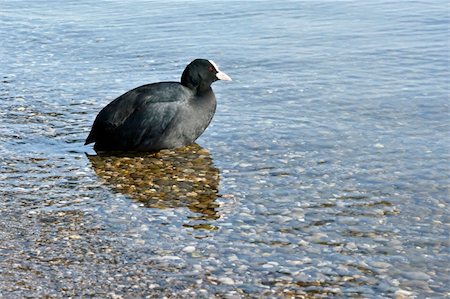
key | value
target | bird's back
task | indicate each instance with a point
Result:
(144, 111)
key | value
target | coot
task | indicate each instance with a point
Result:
(159, 115)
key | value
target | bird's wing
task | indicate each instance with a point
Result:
(147, 124)
(112, 116)
(135, 114)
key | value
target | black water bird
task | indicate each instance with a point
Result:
(160, 115)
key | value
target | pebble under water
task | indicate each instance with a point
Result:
(323, 174)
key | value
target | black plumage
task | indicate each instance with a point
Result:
(159, 115)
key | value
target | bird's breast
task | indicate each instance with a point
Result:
(191, 121)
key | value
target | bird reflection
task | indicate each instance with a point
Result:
(184, 177)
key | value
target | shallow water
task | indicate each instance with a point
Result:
(324, 172)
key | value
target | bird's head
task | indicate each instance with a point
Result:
(201, 73)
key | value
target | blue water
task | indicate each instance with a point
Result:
(324, 172)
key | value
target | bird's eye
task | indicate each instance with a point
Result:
(211, 69)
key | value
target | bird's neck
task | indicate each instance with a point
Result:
(203, 90)
(196, 84)
(199, 90)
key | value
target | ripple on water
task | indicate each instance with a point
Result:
(323, 174)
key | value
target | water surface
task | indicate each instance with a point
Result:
(324, 172)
